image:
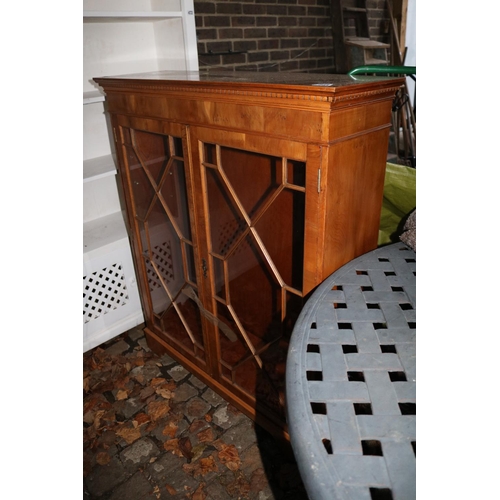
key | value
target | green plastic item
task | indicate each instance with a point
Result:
(400, 199)
(384, 70)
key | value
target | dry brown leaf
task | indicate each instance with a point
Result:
(239, 488)
(170, 430)
(97, 418)
(96, 359)
(199, 494)
(129, 434)
(103, 386)
(121, 394)
(142, 418)
(156, 491)
(90, 402)
(122, 382)
(191, 468)
(97, 402)
(171, 489)
(170, 385)
(157, 409)
(229, 456)
(89, 434)
(86, 384)
(103, 458)
(164, 393)
(139, 361)
(207, 465)
(157, 381)
(173, 446)
(202, 467)
(152, 426)
(206, 436)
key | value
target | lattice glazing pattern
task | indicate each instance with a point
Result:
(155, 164)
(103, 291)
(162, 255)
(351, 395)
(256, 219)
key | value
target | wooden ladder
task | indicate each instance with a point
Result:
(353, 45)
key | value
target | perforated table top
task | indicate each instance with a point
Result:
(350, 381)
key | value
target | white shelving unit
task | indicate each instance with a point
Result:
(119, 37)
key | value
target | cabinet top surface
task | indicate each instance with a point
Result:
(302, 82)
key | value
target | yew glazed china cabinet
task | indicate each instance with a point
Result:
(243, 192)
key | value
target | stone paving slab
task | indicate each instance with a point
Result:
(104, 478)
(135, 488)
(154, 431)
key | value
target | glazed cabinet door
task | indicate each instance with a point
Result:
(158, 186)
(254, 196)
(220, 241)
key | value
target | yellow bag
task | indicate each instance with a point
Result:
(400, 199)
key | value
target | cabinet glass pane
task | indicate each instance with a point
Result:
(158, 183)
(256, 208)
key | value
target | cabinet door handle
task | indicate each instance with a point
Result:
(204, 267)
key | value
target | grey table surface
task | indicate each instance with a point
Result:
(351, 381)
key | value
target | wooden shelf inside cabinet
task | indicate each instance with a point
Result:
(245, 191)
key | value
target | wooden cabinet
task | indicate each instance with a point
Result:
(244, 191)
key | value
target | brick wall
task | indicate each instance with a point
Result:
(378, 19)
(271, 35)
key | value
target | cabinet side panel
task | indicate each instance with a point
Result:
(315, 217)
(357, 119)
(354, 184)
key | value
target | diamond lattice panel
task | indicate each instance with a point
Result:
(103, 291)
(162, 255)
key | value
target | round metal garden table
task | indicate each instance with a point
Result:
(350, 381)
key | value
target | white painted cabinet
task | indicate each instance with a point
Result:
(119, 37)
